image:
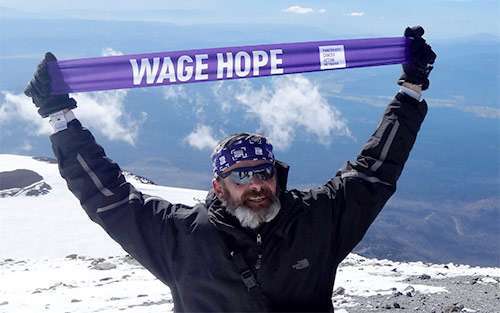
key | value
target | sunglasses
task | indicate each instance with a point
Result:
(244, 175)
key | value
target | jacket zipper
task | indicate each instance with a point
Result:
(258, 264)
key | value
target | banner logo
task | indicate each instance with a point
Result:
(332, 57)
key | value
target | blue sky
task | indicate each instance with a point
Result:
(448, 18)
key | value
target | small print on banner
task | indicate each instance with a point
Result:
(332, 57)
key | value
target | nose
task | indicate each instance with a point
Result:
(256, 183)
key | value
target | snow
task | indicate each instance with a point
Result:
(62, 285)
(39, 232)
(361, 276)
(55, 225)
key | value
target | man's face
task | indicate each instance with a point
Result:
(252, 203)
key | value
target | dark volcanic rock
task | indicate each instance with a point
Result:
(102, 266)
(41, 188)
(455, 307)
(46, 159)
(397, 294)
(339, 291)
(19, 178)
(463, 297)
(22, 182)
(409, 291)
(424, 277)
(127, 259)
(54, 287)
(140, 178)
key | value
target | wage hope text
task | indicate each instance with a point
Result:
(184, 68)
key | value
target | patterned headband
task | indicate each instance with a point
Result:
(250, 147)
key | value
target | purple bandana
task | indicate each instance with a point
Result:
(179, 67)
(247, 148)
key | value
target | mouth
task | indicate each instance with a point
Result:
(258, 202)
(257, 198)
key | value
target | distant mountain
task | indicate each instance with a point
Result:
(467, 233)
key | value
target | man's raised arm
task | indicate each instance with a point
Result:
(362, 187)
(140, 225)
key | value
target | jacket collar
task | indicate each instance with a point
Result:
(282, 175)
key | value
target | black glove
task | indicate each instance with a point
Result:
(418, 68)
(39, 90)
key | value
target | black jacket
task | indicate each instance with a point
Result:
(191, 249)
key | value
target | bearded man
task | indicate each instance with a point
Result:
(253, 245)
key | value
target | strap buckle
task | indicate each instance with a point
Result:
(248, 279)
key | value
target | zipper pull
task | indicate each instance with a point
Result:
(259, 257)
(258, 264)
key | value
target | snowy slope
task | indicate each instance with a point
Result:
(82, 284)
(54, 224)
(54, 259)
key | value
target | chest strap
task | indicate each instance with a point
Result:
(248, 277)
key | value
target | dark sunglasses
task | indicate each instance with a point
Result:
(244, 175)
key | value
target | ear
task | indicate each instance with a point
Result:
(216, 184)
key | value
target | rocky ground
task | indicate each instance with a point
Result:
(80, 284)
(480, 294)
(118, 283)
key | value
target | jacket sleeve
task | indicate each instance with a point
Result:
(140, 224)
(360, 190)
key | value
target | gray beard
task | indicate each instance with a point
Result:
(253, 219)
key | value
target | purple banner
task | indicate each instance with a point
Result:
(179, 67)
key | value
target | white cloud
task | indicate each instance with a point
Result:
(104, 112)
(110, 52)
(224, 92)
(181, 95)
(446, 103)
(291, 103)
(482, 111)
(375, 101)
(201, 138)
(460, 103)
(297, 9)
(27, 146)
(357, 13)
(19, 108)
(173, 92)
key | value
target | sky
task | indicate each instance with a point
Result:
(452, 18)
